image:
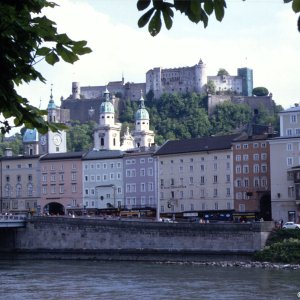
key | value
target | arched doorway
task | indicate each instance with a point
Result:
(54, 208)
(265, 207)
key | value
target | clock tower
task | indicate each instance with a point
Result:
(53, 142)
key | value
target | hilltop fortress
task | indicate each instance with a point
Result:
(83, 103)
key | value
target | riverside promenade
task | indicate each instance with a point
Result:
(94, 238)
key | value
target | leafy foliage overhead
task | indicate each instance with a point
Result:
(196, 10)
(26, 38)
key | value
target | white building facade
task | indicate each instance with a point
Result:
(285, 167)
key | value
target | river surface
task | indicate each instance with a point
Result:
(138, 280)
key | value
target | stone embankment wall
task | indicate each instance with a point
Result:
(57, 236)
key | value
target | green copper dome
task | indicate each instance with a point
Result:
(30, 136)
(107, 106)
(142, 113)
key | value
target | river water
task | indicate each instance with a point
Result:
(138, 280)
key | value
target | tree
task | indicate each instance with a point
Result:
(222, 72)
(80, 136)
(26, 38)
(260, 91)
(196, 10)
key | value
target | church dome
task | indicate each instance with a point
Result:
(107, 106)
(142, 113)
(30, 136)
(51, 104)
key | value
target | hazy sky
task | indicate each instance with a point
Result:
(259, 34)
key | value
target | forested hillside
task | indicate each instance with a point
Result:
(176, 116)
(173, 116)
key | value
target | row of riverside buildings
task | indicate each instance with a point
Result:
(250, 175)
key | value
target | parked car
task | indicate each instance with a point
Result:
(291, 225)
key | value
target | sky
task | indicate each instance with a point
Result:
(259, 34)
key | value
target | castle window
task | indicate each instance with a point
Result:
(102, 141)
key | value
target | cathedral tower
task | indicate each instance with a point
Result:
(107, 134)
(143, 136)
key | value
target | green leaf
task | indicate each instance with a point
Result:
(51, 58)
(219, 10)
(66, 54)
(208, 7)
(43, 51)
(144, 19)
(82, 51)
(167, 18)
(143, 4)
(155, 24)
(296, 6)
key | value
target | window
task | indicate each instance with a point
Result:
(238, 183)
(182, 207)
(215, 157)
(61, 189)
(242, 208)
(293, 119)
(44, 190)
(150, 171)
(192, 206)
(202, 180)
(29, 166)
(61, 177)
(73, 166)
(215, 192)
(202, 193)
(263, 145)
(53, 189)
(264, 182)
(289, 161)
(245, 169)
(150, 159)
(238, 158)
(238, 146)
(74, 187)
(18, 190)
(227, 192)
(215, 166)
(245, 146)
(291, 192)
(264, 156)
(161, 182)
(202, 168)
(289, 147)
(216, 205)
(191, 168)
(142, 160)
(255, 145)
(191, 193)
(86, 178)
(297, 131)
(191, 181)
(238, 169)
(256, 168)
(172, 181)
(112, 165)
(111, 176)
(246, 182)
(143, 187)
(264, 168)
(181, 194)
(44, 178)
(19, 178)
(227, 177)
(53, 178)
(215, 179)
(256, 182)
(228, 166)
(256, 156)
(245, 157)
